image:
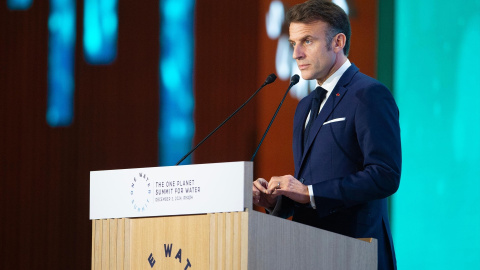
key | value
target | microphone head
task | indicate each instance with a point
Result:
(294, 80)
(271, 78)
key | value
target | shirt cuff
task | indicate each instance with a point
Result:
(312, 198)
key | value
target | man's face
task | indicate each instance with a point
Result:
(310, 51)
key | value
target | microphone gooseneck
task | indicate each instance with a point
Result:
(270, 79)
(294, 80)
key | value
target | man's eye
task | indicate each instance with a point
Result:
(308, 41)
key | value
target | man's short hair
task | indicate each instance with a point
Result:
(321, 10)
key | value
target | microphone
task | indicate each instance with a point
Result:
(294, 80)
(270, 79)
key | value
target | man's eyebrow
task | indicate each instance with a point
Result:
(302, 39)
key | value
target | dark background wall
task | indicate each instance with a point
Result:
(226, 74)
(44, 171)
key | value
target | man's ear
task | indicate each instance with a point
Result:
(338, 42)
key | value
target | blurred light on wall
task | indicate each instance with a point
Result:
(100, 31)
(176, 126)
(437, 87)
(274, 19)
(61, 60)
(343, 4)
(19, 4)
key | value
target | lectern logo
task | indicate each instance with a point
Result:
(141, 192)
(168, 248)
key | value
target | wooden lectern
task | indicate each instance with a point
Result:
(134, 225)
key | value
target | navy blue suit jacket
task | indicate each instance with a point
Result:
(353, 162)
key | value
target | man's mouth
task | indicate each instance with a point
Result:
(302, 66)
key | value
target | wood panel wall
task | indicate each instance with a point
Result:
(226, 75)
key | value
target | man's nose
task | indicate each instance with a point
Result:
(298, 52)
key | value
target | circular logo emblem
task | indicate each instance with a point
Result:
(141, 192)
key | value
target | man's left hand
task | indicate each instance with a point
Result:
(289, 186)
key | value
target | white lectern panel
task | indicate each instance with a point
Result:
(175, 190)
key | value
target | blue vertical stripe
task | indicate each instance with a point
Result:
(176, 80)
(100, 24)
(61, 60)
(19, 4)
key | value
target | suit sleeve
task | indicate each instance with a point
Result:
(378, 137)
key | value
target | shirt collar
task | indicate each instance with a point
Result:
(332, 81)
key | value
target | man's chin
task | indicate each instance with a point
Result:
(306, 75)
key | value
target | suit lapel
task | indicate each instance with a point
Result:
(333, 100)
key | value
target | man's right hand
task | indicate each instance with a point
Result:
(260, 197)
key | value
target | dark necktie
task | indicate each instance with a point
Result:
(318, 97)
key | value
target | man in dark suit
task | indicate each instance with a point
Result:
(346, 138)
